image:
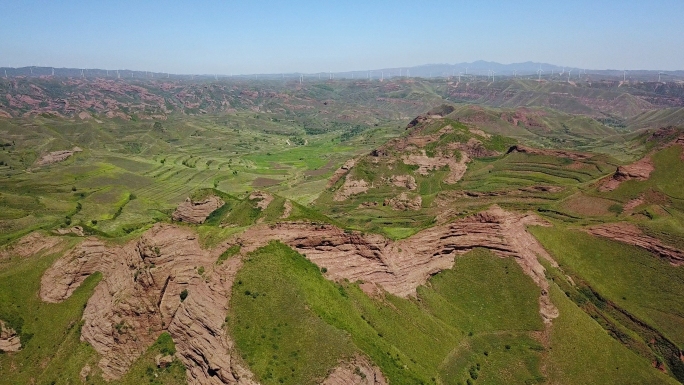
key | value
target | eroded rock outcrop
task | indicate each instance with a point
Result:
(56, 156)
(340, 172)
(402, 202)
(631, 234)
(359, 371)
(263, 199)
(197, 212)
(149, 286)
(32, 244)
(639, 170)
(406, 181)
(349, 188)
(9, 340)
(457, 165)
(400, 267)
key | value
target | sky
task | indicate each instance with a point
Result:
(247, 37)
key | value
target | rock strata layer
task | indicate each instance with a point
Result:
(400, 267)
(197, 212)
(629, 233)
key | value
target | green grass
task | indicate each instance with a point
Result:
(635, 280)
(285, 315)
(583, 353)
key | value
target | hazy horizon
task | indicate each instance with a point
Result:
(248, 38)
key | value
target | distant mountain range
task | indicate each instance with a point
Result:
(476, 68)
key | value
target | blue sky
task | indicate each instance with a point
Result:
(239, 37)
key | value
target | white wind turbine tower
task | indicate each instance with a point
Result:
(659, 73)
(53, 72)
(569, 71)
(539, 72)
(624, 75)
(5, 73)
(118, 75)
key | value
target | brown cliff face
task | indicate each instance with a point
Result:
(148, 286)
(629, 233)
(196, 212)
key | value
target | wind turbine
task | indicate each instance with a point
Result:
(624, 75)
(539, 72)
(118, 75)
(53, 72)
(6, 74)
(569, 71)
(659, 73)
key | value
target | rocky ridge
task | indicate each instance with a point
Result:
(400, 267)
(631, 234)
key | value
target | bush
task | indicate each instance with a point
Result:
(184, 295)
(616, 208)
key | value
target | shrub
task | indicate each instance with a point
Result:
(184, 295)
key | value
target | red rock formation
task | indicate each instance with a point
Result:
(359, 371)
(140, 296)
(639, 170)
(400, 267)
(629, 233)
(197, 212)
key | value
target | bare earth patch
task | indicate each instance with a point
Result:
(56, 156)
(359, 371)
(9, 340)
(263, 199)
(587, 205)
(265, 182)
(31, 244)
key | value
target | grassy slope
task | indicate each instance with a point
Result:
(582, 353)
(441, 335)
(632, 278)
